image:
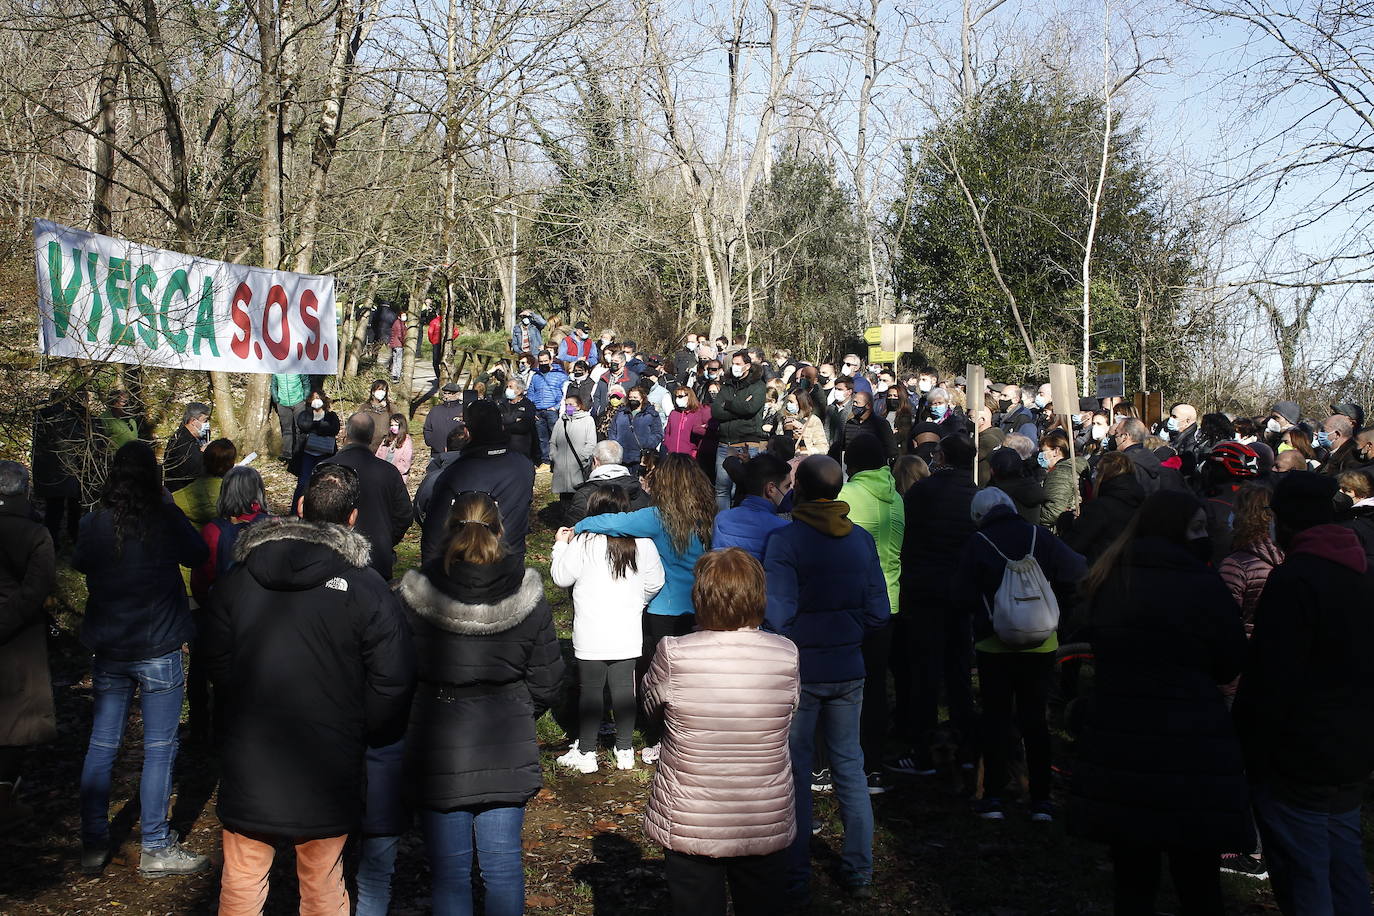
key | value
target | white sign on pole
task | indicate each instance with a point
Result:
(112, 300)
(1111, 378)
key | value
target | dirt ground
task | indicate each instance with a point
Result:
(585, 851)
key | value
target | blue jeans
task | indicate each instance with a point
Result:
(544, 423)
(376, 863)
(724, 485)
(449, 840)
(838, 707)
(161, 683)
(1316, 860)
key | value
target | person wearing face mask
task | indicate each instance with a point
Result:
(711, 374)
(1337, 435)
(764, 482)
(1305, 701)
(396, 448)
(861, 420)
(990, 439)
(687, 423)
(379, 408)
(527, 334)
(1017, 413)
(571, 447)
(181, 460)
(899, 416)
(825, 379)
(616, 376)
(581, 383)
(1159, 665)
(546, 395)
(839, 407)
(637, 427)
(851, 367)
(518, 418)
(738, 410)
(317, 428)
(803, 424)
(685, 360)
(940, 411)
(1063, 477)
(442, 418)
(578, 346)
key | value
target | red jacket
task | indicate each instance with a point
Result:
(436, 328)
(398, 334)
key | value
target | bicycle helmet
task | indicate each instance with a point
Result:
(1235, 459)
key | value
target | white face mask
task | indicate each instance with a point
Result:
(882, 387)
(317, 404)
(737, 370)
(792, 407)
(925, 386)
(510, 394)
(1273, 426)
(379, 395)
(1099, 433)
(848, 370)
(681, 402)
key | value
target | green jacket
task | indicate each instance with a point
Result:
(738, 408)
(290, 389)
(876, 507)
(118, 430)
(199, 500)
(1059, 487)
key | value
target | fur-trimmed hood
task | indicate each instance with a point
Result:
(448, 613)
(288, 554)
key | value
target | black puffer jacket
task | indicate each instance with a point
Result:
(496, 469)
(938, 525)
(1159, 763)
(489, 665)
(313, 654)
(739, 407)
(1027, 493)
(1103, 517)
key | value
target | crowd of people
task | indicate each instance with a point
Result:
(780, 572)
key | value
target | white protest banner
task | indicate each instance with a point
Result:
(112, 300)
(1111, 378)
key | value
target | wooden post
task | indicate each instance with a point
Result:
(974, 378)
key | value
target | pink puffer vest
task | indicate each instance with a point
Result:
(724, 782)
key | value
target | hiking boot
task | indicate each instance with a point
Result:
(13, 812)
(1245, 866)
(649, 754)
(910, 766)
(575, 759)
(821, 781)
(94, 858)
(877, 785)
(625, 760)
(989, 809)
(1042, 812)
(172, 859)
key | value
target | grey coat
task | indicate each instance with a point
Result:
(571, 444)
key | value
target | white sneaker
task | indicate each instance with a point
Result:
(574, 759)
(625, 760)
(649, 753)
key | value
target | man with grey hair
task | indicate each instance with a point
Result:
(1130, 435)
(1338, 435)
(181, 461)
(384, 510)
(607, 471)
(28, 574)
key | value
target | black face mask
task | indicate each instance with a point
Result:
(1003, 404)
(893, 403)
(544, 367)
(1343, 503)
(1201, 548)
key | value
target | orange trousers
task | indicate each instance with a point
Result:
(248, 860)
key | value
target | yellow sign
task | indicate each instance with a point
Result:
(874, 337)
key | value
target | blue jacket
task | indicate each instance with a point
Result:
(546, 388)
(136, 599)
(536, 329)
(675, 598)
(641, 432)
(825, 607)
(747, 526)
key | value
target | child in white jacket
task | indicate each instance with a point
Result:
(612, 579)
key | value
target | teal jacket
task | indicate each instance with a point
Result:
(290, 389)
(675, 598)
(876, 507)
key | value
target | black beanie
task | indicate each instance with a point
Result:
(865, 453)
(1303, 499)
